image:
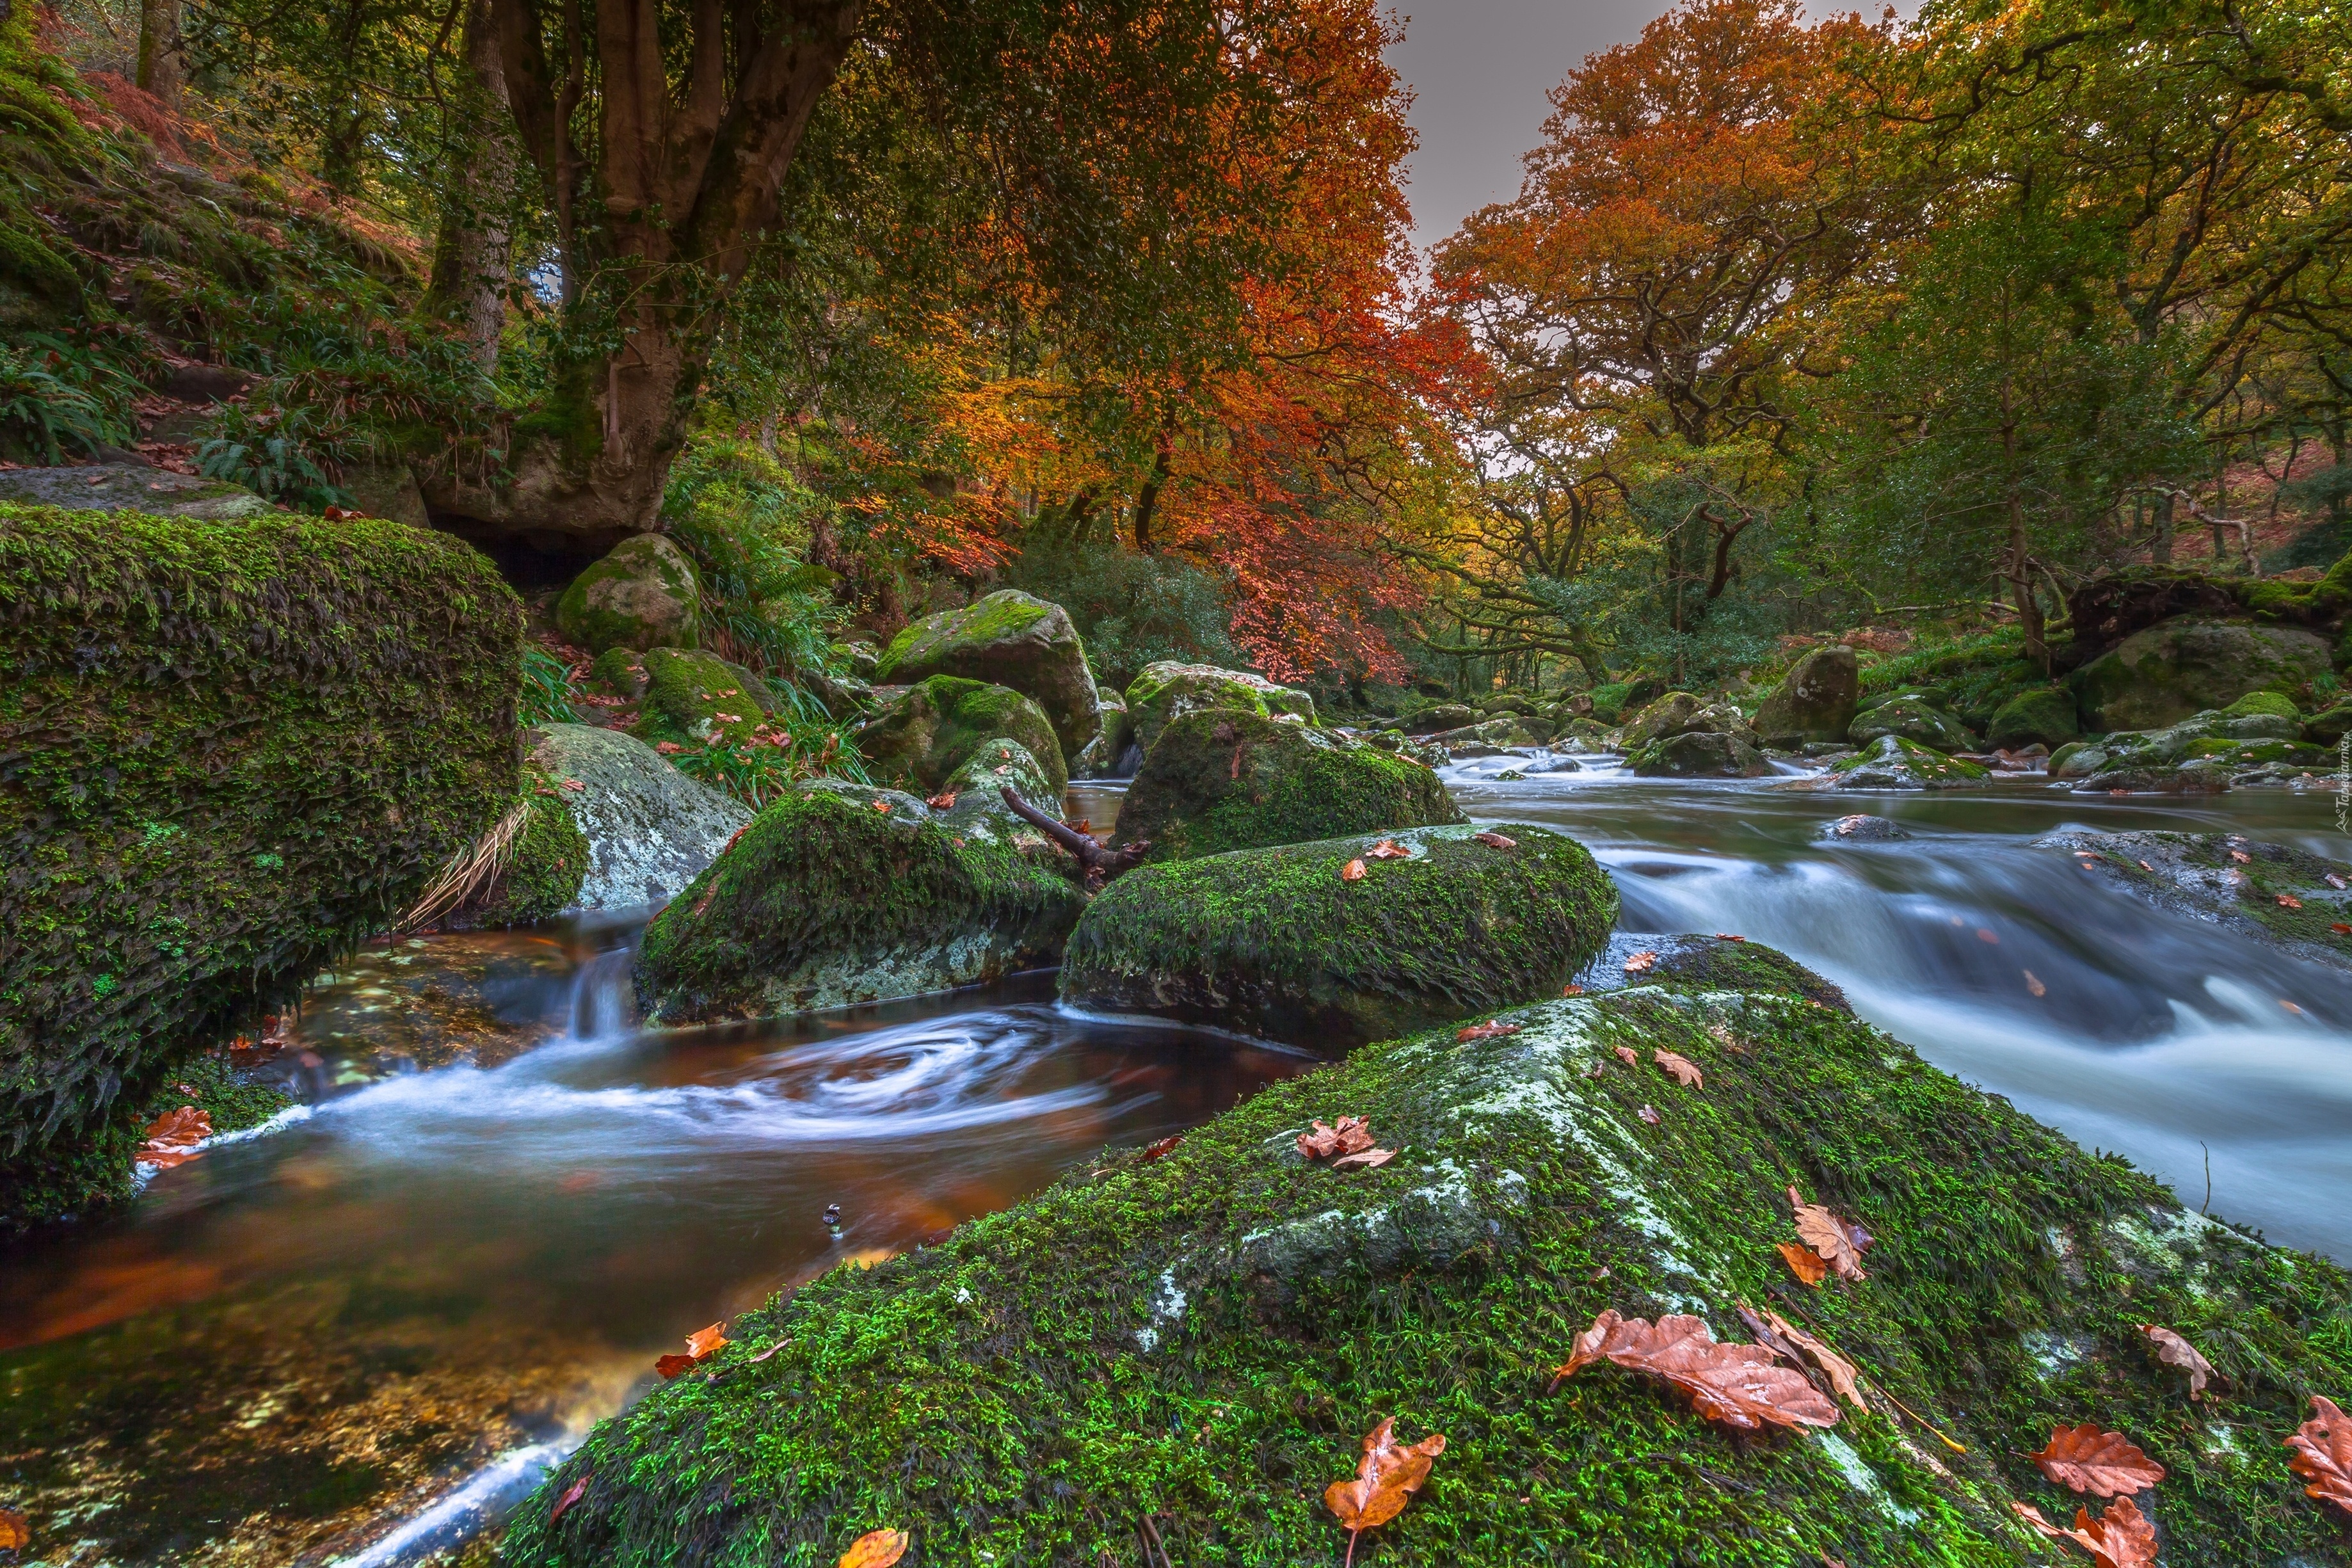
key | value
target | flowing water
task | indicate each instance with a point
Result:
(352, 1336)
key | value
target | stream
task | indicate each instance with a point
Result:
(354, 1335)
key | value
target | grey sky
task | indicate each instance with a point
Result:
(1479, 70)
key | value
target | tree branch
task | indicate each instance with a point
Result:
(1101, 865)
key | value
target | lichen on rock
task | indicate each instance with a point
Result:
(648, 828)
(643, 595)
(1893, 762)
(1006, 638)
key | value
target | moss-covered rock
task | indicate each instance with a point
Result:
(1166, 692)
(1222, 779)
(1913, 719)
(232, 750)
(644, 595)
(2042, 716)
(1670, 714)
(2169, 671)
(919, 737)
(1815, 702)
(1693, 962)
(1278, 942)
(2207, 753)
(1698, 753)
(2229, 879)
(648, 829)
(838, 894)
(691, 698)
(1894, 763)
(997, 765)
(1011, 639)
(116, 486)
(2330, 725)
(1201, 1337)
(2265, 704)
(540, 873)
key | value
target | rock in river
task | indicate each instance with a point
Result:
(1011, 639)
(2178, 667)
(1169, 690)
(1815, 702)
(2277, 894)
(650, 828)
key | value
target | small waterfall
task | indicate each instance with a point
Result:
(604, 1002)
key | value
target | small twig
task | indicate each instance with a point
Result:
(1099, 864)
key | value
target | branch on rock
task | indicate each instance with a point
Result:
(1099, 864)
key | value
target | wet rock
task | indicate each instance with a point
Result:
(1011, 639)
(642, 595)
(1556, 764)
(1815, 702)
(2042, 716)
(1894, 763)
(2248, 744)
(1698, 753)
(1438, 719)
(1504, 731)
(132, 487)
(2229, 877)
(1220, 779)
(1697, 961)
(649, 828)
(1277, 942)
(1669, 715)
(1862, 828)
(1913, 720)
(919, 735)
(2167, 673)
(1167, 690)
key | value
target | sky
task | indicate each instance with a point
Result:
(1479, 70)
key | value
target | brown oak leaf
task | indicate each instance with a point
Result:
(1488, 1031)
(1385, 1479)
(1640, 963)
(2104, 1464)
(173, 1139)
(2122, 1539)
(874, 1549)
(1737, 1386)
(1804, 1262)
(15, 1533)
(2174, 1350)
(1364, 1160)
(2289, 901)
(1353, 871)
(700, 1346)
(1797, 1346)
(1321, 1142)
(1388, 849)
(943, 801)
(1628, 1055)
(1495, 841)
(1838, 1243)
(2322, 1452)
(1685, 1071)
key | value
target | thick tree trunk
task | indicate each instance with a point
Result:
(473, 251)
(162, 66)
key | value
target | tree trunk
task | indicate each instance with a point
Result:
(473, 251)
(2160, 551)
(161, 65)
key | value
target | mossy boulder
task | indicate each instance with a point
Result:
(2169, 671)
(1668, 715)
(132, 487)
(2229, 879)
(1167, 690)
(2265, 704)
(839, 895)
(1698, 753)
(2329, 725)
(1011, 639)
(919, 737)
(539, 875)
(2042, 716)
(236, 748)
(644, 595)
(1891, 762)
(2209, 752)
(997, 765)
(1814, 701)
(691, 698)
(648, 828)
(1913, 720)
(1201, 1337)
(1222, 779)
(1278, 942)
(1439, 719)
(1695, 962)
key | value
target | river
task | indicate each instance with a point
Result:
(351, 1337)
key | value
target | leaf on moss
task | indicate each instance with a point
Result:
(1685, 1071)
(2289, 901)
(1321, 1142)
(874, 1549)
(1488, 1031)
(1495, 841)
(1804, 1262)
(175, 1136)
(1364, 1160)
(1796, 1346)
(572, 1494)
(1385, 1479)
(1628, 1055)
(700, 1346)
(2104, 1464)
(1353, 871)
(2122, 1539)
(1836, 1241)
(1163, 1148)
(2174, 1350)
(1737, 1386)
(1388, 849)
(2323, 1454)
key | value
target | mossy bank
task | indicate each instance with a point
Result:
(1197, 1342)
(228, 750)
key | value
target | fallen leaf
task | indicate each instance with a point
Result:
(15, 1534)
(2289, 1005)
(874, 1549)
(943, 801)
(1768, 1326)
(1736, 1385)
(1579, 990)
(2123, 1539)
(1685, 1071)
(2146, 866)
(572, 1494)
(883, 806)
(2104, 1464)
(1495, 841)
(1162, 1149)
(2242, 858)
(2034, 985)
(2174, 1350)
(1837, 1242)
(1804, 1262)
(1648, 1115)
(668, 747)
(2289, 901)
(2340, 929)
(1726, 936)
(1364, 1160)
(575, 784)
(1627, 1055)
(1488, 1031)
(1640, 963)
(2323, 1454)
(1320, 1142)
(1386, 1478)
(700, 1346)
(175, 1138)
(1353, 871)
(2335, 881)
(1388, 849)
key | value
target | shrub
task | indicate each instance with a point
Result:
(1132, 609)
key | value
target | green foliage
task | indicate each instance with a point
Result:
(291, 454)
(762, 770)
(66, 393)
(1131, 609)
(744, 520)
(546, 688)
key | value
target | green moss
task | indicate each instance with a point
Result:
(1222, 779)
(1694, 965)
(837, 895)
(1011, 639)
(997, 617)
(1278, 942)
(546, 866)
(618, 672)
(691, 697)
(1167, 690)
(641, 595)
(2043, 714)
(921, 739)
(2270, 703)
(1608, 700)
(1202, 1339)
(314, 714)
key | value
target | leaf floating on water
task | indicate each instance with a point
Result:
(1495, 841)
(1838, 1243)
(1488, 1031)
(572, 1494)
(2323, 1454)
(1686, 1070)
(1804, 1262)
(1388, 849)
(1353, 871)
(1640, 963)
(174, 1138)
(2174, 1350)
(1385, 1479)
(2123, 1539)
(2104, 1464)
(1320, 1142)
(874, 1549)
(2034, 985)
(1364, 1160)
(1737, 1386)
(1648, 1115)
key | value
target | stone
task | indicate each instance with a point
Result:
(1007, 638)
(1277, 942)
(1862, 829)
(2204, 754)
(132, 487)
(691, 698)
(919, 735)
(385, 488)
(643, 595)
(2199, 875)
(1222, 779)
(1913, 721)
(1814, 701)
(1892, 761)
(1167, 690)
(1668, 715)
(996, 765)
(2043, 715)
(2179, 667)
(650, 829)
(1437, 719)
(2330, 725)
(1694, 963)
(1698, 753)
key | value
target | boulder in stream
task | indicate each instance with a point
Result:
(1006, 638)
(1223, 779)
(1280, 943)
(1915, 720)
(2277, 894)
(1202, 1335)
(1894, 763)
(1814, 701)
(649, 828)
(2250, 742)
(1167, 691)
(1699, 753)
(919, 735)
(2042, 715)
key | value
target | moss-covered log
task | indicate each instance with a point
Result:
(1200, 1340)
(1223, 779)
(1278, 941)
(228, 750)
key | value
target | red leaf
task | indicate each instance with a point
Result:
(1804, 1262)
(1320, 1142)
(572, 1494)
(1736, 1385)
(1486, 1031)
(1495, 841)
(1353, 871)
(2323, 1454)
(2123, 1539)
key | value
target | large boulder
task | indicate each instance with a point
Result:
(235, 749)
(1913, 719)
(2244, 745)
(839, 895)
(2168, 672)
(1815, 702)
(650, 829)
(132, 487)
(693, 698)
(1200, 1337)
(1222, 779)
(1167, 690)
(920, 736)
(1011, 639)
(2040, 715)
(1668, 715)
(2277, 894)
(1279, 942)
(643, 595)
(1891, 762)
(1699, 753)
(1440, 719)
